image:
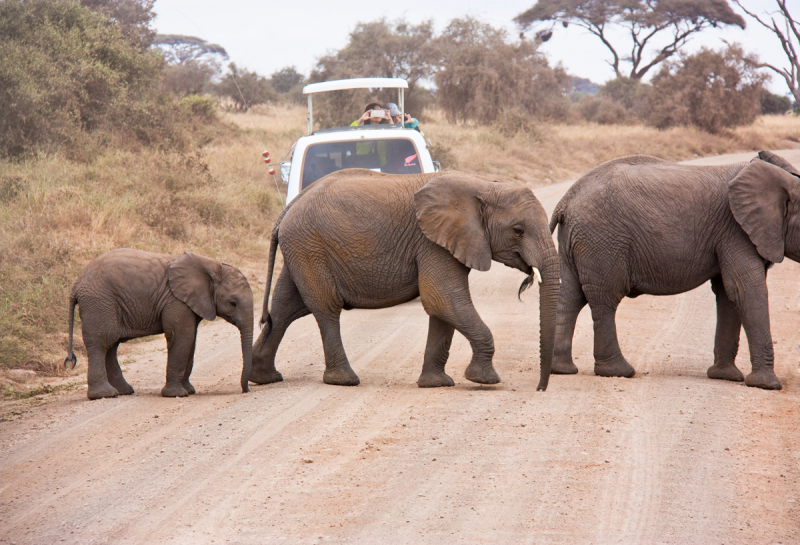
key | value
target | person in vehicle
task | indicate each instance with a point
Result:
(394, 112)
(369, 119)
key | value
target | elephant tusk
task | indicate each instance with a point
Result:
(537, 274)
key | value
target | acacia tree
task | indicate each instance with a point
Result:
(667, 23)
(482, 76)
(786, 30)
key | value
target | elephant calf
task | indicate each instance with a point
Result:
(125, 294)
(361, 239)
(639, 225)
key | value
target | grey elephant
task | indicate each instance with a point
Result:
(361, 239)
(639, 225)
(125, 294)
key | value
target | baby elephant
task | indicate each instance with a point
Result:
(125, 294)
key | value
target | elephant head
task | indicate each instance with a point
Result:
(765, 200)
(479, 221)
(212, 289)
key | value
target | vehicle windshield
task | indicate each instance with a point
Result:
(396, 156)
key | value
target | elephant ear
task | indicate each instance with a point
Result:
(759, 196)
(192, 278)
(778, 161)
(450, 213)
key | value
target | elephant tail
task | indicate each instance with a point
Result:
(273, 250)
(71, 359)
(558, 215)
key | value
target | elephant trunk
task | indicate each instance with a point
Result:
(547, 263)
(246, 330)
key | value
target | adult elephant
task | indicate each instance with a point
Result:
(361, 239)
(639, 225)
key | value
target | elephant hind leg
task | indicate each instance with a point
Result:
(98, 386)
(286, 306)
(440, 336)
(726, 339)
(114, 373)
(571, 301)
(608, 358)
(337, 367)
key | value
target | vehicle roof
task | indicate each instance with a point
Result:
(375, 132)
(355, 83)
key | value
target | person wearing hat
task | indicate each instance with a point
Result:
(368, 119)
(394, 112)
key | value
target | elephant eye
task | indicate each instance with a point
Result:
(518, 231)
(233, 303)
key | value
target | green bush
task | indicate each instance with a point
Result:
(70, 78)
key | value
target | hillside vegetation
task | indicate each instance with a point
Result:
(57, 214)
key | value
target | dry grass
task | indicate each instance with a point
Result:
(557, 152)
(56, 215)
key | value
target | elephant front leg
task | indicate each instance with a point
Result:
(608, 358)
(337, 368)
(180, 328)
(114, 373)
(440, 336)
(726, 339)
(752, 303)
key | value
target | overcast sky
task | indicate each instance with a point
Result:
(266, 36)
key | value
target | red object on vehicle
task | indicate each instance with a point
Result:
(272, 171)
(267, 160)
(265, 153)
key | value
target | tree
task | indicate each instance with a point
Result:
(246, 89)
(713, 90)
(132, 16)
(375, 49)
(481, 76)
(66, 72)
(786, 30)
(646, 22)
(178, 49)
(285, 79)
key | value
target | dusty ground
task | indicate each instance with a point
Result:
(668, 456)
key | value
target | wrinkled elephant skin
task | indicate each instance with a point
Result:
(360, 239)
(125, 294)
(640, 225)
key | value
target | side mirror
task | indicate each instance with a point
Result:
(437, 166)
(286, 167)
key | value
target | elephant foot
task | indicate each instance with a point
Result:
(188, 386)
(616, 367)
(565, 367)
(122, 387)
(763, 378)
(725, 372)
(174, 389)
(434, 380)
(341, 376)
(98, 391)
(482, 374)
(265, 377)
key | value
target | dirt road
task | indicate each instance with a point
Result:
(668, 456)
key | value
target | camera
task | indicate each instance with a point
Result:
(377, 113)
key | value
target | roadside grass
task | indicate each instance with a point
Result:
(56, 215)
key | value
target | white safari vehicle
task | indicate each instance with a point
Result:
(383, 148)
